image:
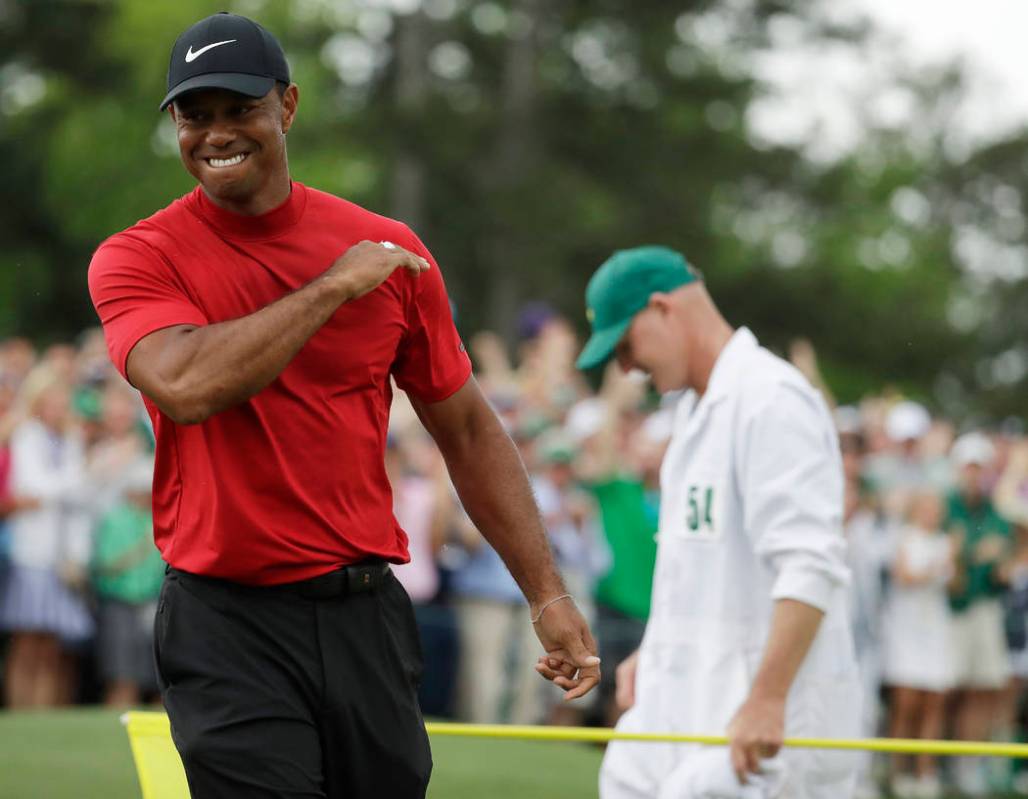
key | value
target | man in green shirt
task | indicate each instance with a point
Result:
(628, 509)
(127, 575)
(981, 663)
(621, 467)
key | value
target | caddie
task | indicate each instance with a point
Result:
(748, 634)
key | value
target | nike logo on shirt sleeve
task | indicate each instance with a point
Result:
(191, 56)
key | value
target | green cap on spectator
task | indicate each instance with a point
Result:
(621, 288)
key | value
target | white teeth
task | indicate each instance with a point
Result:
(222, 162)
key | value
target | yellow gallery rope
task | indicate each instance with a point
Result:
(602, 735)
(157, 724)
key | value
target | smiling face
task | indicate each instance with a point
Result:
(235, 145)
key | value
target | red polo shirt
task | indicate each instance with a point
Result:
(291, 483)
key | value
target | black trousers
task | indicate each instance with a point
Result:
(274, 695)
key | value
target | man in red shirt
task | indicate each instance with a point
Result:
(262, 321)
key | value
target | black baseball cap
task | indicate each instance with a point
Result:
(225, 51)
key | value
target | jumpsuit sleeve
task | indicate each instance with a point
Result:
(792, 489)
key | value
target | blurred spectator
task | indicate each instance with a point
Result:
(494, 371)
(918, 661)
(59, 359)
(42, 606)
(127, 573)
(1011, 498)
(548, 382)
(416, 507)
(569, 515)
(869, 552)
(620, 464)
(118, 446)
(803, 356)
(852, 443)
(1012, 703)
(17, 357)
(498, 647)
(425, 509)
(92, 365)
(981, 660)
(8, 504)
(896, 470)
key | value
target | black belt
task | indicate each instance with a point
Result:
(353, 579)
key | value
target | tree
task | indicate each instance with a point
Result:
(525, 141)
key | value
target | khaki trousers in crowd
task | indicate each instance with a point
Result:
(497, 680)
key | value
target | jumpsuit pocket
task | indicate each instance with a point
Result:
(828, 708)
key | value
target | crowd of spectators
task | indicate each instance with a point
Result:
(937, 523)
(79, 574)
(936, 518)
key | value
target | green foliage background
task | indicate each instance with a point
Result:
(526, 139)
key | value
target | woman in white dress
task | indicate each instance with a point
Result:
(50, 546)
(916, 638)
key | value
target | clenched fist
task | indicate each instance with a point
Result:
(368, 264)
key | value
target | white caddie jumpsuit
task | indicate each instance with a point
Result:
(751, 512)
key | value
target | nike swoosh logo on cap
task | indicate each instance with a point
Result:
(191, 56)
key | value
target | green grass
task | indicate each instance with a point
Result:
(69, 754)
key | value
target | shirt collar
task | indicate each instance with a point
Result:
(729, 364)
(269, 225)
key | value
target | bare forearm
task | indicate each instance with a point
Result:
(794, 625)
(221, 365)
(493, 486)
(192, 373)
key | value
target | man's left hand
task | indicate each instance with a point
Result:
(756, 732)
(570, 660)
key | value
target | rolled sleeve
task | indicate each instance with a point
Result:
(806, 582)
(793, 497)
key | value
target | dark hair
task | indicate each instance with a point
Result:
(281, 87)
(853, 441)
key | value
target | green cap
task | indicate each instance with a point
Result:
(621, 288)
(555, 446)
